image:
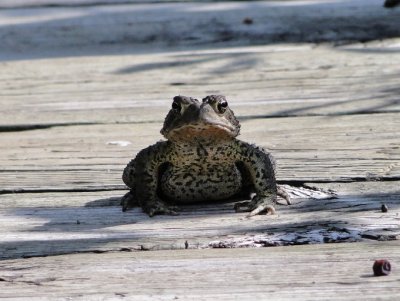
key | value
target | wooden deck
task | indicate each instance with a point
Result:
(70, 122)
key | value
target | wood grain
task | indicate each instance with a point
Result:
(325, 272)
(73, 115)
(43, 224)
(307, 149)
(258, 81)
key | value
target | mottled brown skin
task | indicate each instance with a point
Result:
(200, 161)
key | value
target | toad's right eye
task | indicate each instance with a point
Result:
(176, 106)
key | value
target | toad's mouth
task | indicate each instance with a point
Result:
(202, 130)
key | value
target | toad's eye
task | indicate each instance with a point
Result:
(222, 106)
(176, 106)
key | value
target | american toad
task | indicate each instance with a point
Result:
(201, 161)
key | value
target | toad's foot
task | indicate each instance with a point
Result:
(159, 207)
(283, 194)
(258, 205)
(154, 208)
(128, 201)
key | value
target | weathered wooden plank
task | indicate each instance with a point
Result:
(335, 148)
(109, 98)
(355, 189)
(266, 82)
(324, 272)
(51, 3)
(76, 30)
(59, 223)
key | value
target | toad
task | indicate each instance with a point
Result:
(201, 161)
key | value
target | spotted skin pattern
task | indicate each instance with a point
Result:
(201, 161)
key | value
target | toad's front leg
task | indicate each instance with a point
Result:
(142, 176)
(260, 169)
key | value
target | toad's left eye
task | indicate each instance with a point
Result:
(222, 105)
(176, 106)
